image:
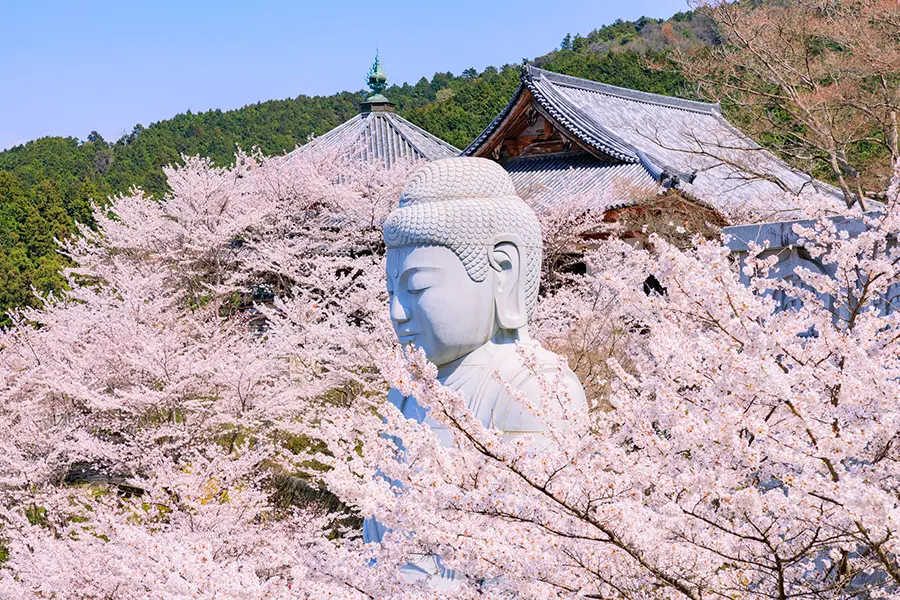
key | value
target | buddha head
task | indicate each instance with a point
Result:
(463, 259)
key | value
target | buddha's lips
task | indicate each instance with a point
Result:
(406, 336)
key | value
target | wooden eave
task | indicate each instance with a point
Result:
(511, 121)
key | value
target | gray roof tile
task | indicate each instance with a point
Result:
(546, 180)
(382, 136)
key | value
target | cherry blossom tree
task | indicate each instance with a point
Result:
(232, 338)
(748, 450)
(147, 415)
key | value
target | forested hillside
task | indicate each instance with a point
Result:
(47, 185)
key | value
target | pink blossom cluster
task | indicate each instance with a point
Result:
(169, 376)
(734, 449)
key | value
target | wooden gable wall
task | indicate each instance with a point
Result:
(527, 131)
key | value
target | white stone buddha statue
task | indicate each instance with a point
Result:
(463, 271)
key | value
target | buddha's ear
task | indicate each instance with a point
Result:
(507, 263)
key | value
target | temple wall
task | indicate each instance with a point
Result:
(783, 243)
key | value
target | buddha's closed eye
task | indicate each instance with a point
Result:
(418, 283)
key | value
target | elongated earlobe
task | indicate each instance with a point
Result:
(509, 291)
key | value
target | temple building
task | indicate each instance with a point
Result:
(378, 133)
(618, 148)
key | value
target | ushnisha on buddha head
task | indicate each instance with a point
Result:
(463, 259)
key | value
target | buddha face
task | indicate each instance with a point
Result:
(435, 305)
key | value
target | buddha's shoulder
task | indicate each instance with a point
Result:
(536, 367)
(529, 357)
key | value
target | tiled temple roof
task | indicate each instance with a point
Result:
(382, 136)
(543, 179)
(677, 142)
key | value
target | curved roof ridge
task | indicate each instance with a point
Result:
(383, 135)
(581, 124)
(624, 93)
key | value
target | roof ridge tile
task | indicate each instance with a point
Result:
(597, 136)
(531, 71)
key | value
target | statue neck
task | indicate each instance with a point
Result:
(501, 341)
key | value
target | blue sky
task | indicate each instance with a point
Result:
(68, 67)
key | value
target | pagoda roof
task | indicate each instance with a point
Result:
(678, 143)
(384, 136)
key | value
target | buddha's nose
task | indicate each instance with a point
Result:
(398, 311)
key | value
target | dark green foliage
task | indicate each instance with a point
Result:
(626, 68)
(47, 185)
(35, 211)
(461, 109)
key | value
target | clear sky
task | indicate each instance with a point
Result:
(69, 67)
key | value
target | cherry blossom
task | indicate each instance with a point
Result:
(229, 342)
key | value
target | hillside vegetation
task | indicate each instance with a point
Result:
(47, 185)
